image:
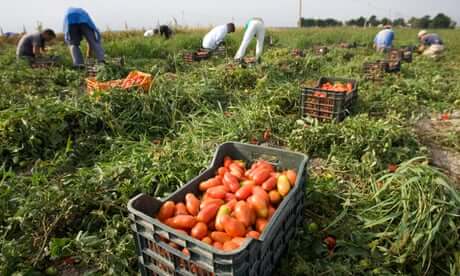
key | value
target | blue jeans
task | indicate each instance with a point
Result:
(77, 32)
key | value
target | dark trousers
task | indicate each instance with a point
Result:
(77, 32)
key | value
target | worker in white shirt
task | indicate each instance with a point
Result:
(217, 35)
(253, 28)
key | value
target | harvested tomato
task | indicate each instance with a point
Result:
(260, 224)
(199, 231)
(239, 241)
(240, 163)
(166, 211)
(269, 184)
(232, 182)
(292, 176)
(229, 197)
(186, 252)
(231, 204)
(208, 213)
(227, 161)
(192, 203)
(181, 209)
(211, 201)
(259, 205)
(243, 213)
(244, 192)
(213, 182)
(233, 227)
(258, 190)
(260, 175)
(183, 222)
(230, 245)
(218, 245)
(207, 240)
(223, 211)
(221, 171)
(217, 192)
(221, 237)
(253, 234)
(236, 170)
(283, 185)
(275, 197)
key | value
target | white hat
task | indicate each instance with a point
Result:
(422, 33)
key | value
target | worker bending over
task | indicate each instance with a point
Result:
(216, 36)
(78, 24)
(253, 28)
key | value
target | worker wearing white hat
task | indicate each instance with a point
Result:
(431, 44)
(253, 28)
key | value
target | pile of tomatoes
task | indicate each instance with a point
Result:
(131, 81)
(336, 87)
(235, 204)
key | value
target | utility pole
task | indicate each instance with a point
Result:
(300, 13)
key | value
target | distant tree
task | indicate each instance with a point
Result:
(440, 21)
(373, 21)
(385, 21)
(399, 22)
(360, 22)
(413, 22)
(424, 22)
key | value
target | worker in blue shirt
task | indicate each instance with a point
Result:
(383, 41)
(78, 24)
(431, 44)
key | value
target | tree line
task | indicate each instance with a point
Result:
(440, 21)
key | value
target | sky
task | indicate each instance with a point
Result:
(114, 14)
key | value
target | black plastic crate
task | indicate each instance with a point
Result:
(220, 51)
(407, 53)
(394, 66)
(297, 53)
(92, 65)
(375, 71)
(196, 56)
(254, 257)
(394, 54)
(320, 50)
(45, 62)
(327, 105)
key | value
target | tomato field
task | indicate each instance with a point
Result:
(375, 204)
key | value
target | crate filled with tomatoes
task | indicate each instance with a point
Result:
(375, 71)
(199, 55)
(331, 99)
(236, 218)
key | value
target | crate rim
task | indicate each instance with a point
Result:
(151, 220)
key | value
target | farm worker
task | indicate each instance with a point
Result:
(163, 30)
(383, 41)
(33, 45)
(78, 24)
(431, 44)
(216, 36)
(253, 28)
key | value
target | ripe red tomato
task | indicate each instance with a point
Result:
(208, 213)
(243, 213)
(166, 211)
(244, 192)
(199, 231)
(233, 227)
(192, 203)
